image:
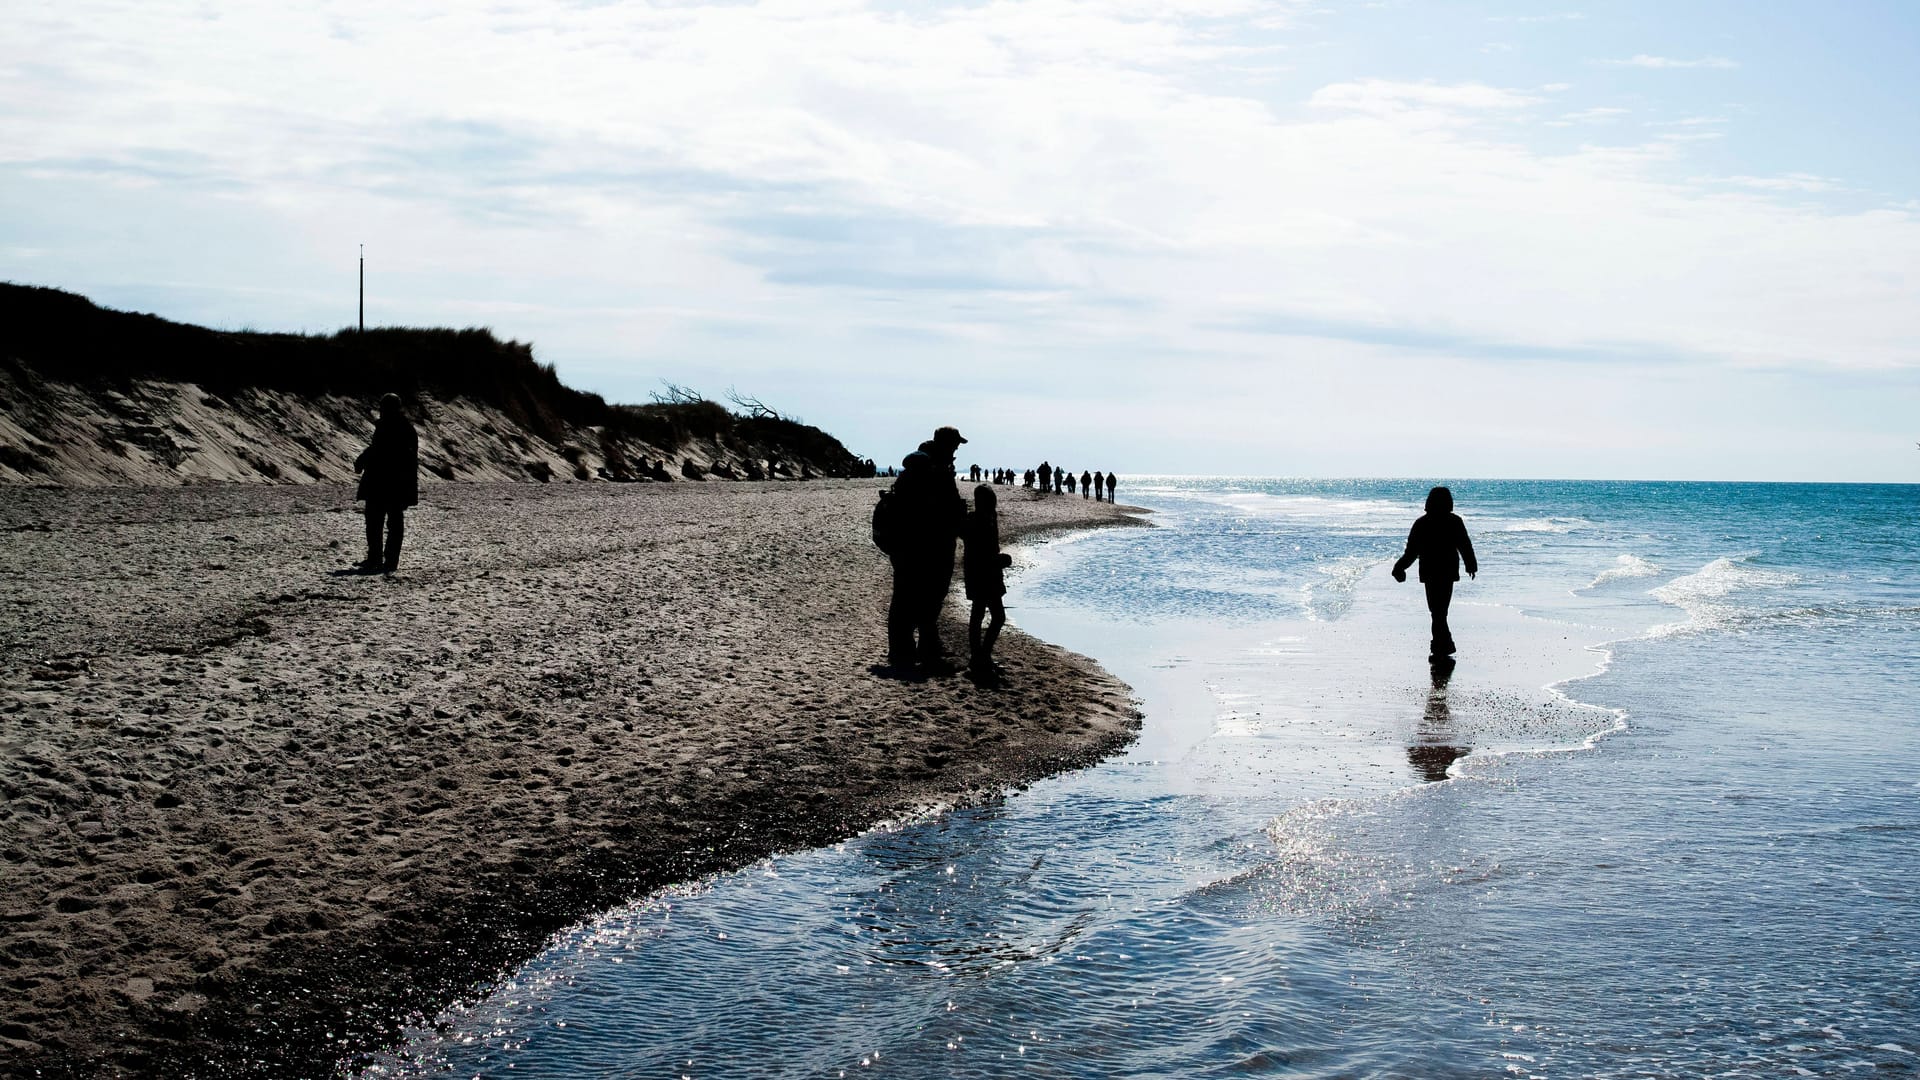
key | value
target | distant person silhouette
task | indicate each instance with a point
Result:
(930, 515)
(1046, 478)
(1099, 482)
(1069, 483)
(1086, 483)
(1439, 541)
(1112, 482)
(389, 471)
(982, 569)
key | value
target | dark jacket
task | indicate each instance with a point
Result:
(390, 466)
(931, 513)
(983, 565)
(1439, 540)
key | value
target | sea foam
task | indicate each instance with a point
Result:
(1624, 567)
(1707, 594)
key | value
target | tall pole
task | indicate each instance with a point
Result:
(363, 288)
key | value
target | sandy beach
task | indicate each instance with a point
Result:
(253, 812)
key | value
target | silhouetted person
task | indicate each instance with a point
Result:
(1439, 541)
(389, 471)
(1069, 483)
(1099, 482)
(982, 570)
(1086, 483)
(1046, 478)
(930, 515)
(1112, 482)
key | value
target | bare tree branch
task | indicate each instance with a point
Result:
(754, 406)
(675, 394)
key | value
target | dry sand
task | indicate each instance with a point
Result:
(252, 814)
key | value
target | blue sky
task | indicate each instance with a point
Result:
(1435, 240)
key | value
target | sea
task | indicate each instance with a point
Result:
(1661, 818)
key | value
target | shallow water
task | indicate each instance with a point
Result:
(1319, 860)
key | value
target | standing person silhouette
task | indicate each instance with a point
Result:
(1112, 482)
(1439, 541)
(931, 516)
(1099, 481)
(1086, 483)
(389, 471)
(982, 568)
(1046, 477)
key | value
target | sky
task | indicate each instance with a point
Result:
(1451, 240)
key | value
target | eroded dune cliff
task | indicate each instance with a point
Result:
(91, 396)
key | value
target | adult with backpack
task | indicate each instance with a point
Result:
(916, 524)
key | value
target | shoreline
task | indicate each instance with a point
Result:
(1229, 779)
(259, 817)
(1347, 704)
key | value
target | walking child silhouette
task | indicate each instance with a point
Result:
(1439, 541)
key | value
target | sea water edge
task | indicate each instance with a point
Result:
(1531, 913)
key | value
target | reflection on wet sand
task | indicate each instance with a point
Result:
(1432, 750)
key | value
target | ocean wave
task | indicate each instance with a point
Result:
(1544, 525)
(1329, 598)
(1372, 513)
(1706, 595)
(1810, 616)
(1722, 578)
(1624, 567)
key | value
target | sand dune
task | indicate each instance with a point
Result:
(254, 811)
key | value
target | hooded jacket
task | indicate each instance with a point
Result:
(1439, 541)
(390, 465)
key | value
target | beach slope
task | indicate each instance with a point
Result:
(254, 812)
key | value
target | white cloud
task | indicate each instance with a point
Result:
(1599, 114)
(1644, 61)
(1799, 182)
(851, 190)
(1382, 96)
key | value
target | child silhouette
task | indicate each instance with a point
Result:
(1439, 541)
(982, 568)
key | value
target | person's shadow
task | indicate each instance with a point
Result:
(904, 673)
(1432, 751)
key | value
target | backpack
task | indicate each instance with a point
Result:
(886, 522)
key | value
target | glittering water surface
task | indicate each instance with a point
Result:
(1696, 859)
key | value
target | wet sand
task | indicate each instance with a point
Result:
(253, 813)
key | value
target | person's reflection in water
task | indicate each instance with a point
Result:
(1432, 751)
